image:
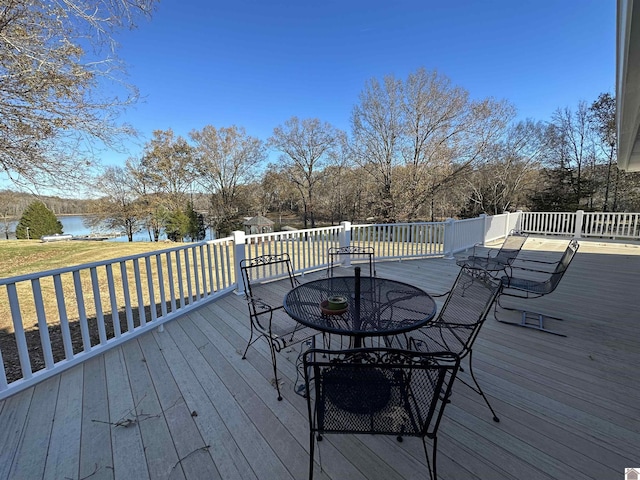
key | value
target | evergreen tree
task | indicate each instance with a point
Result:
(36, 221)
(197, 231)
(177, 226)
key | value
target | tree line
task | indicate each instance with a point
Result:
(417, 148)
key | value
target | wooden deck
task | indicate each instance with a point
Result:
(182, 404)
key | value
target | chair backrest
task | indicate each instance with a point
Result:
(378, 390)
(535, 288)
(465, 311)
(338, 254)
(266, 267)
(562, 266)
(511, 247)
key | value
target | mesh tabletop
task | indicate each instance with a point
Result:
(482, 263)
(384, 307)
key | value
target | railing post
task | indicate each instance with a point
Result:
(507, 223)
(519, 221)
(238, 255)
(579, 221)
(485, 227)
(345, 234)
(345, 241)
(448, 238)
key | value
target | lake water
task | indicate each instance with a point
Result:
(74, 225)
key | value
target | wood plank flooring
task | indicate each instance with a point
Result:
(182, 404)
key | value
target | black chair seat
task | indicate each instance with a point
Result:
(532, 286)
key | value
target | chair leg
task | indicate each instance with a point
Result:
(301, 388)
(311, 451)
(525, 319)
(275, 369)
(478, 389)
(244, 355)
(432, 467)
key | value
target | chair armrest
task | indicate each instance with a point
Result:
(541, 262)
(536, 270)
(258, 303)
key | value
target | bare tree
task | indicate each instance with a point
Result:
(276, 193)
(602, 116)
(55, 58)
(163, 178)
(425, 132)
(118, 208)
(376, 125)
(170, 166)
(10, 210)
(227, 159)
(573, 149)
(305, 146)
(504, 181)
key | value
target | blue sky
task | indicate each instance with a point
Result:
(256, 63)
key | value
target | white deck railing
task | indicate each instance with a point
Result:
(398, 240)
(84, 310)
(579, 224)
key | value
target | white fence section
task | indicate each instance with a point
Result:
(84, 310)
(612, 225)
(546, 223)
(579, 224)
(62, 317)
(463, 234)
(399, 240)
(307, 248)
(499, 226)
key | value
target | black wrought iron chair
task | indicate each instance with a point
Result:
(267, 316)
(458, 324)
(498, 261)
(337, 255)
(534, 283)
(378, 391)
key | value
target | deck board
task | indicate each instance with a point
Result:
(37, 431)
(160, 452)
(126, 439)
(95, 446)
(13, 420)
(569, 406)
(195, 459)
(219, 441)
(63, 457)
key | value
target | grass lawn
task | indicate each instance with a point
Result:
(19, 257)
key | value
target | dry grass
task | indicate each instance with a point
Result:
(26, 257)
(18, 257)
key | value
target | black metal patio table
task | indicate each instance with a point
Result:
(375, 306)
(483, 267)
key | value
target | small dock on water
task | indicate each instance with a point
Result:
(91, 236)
